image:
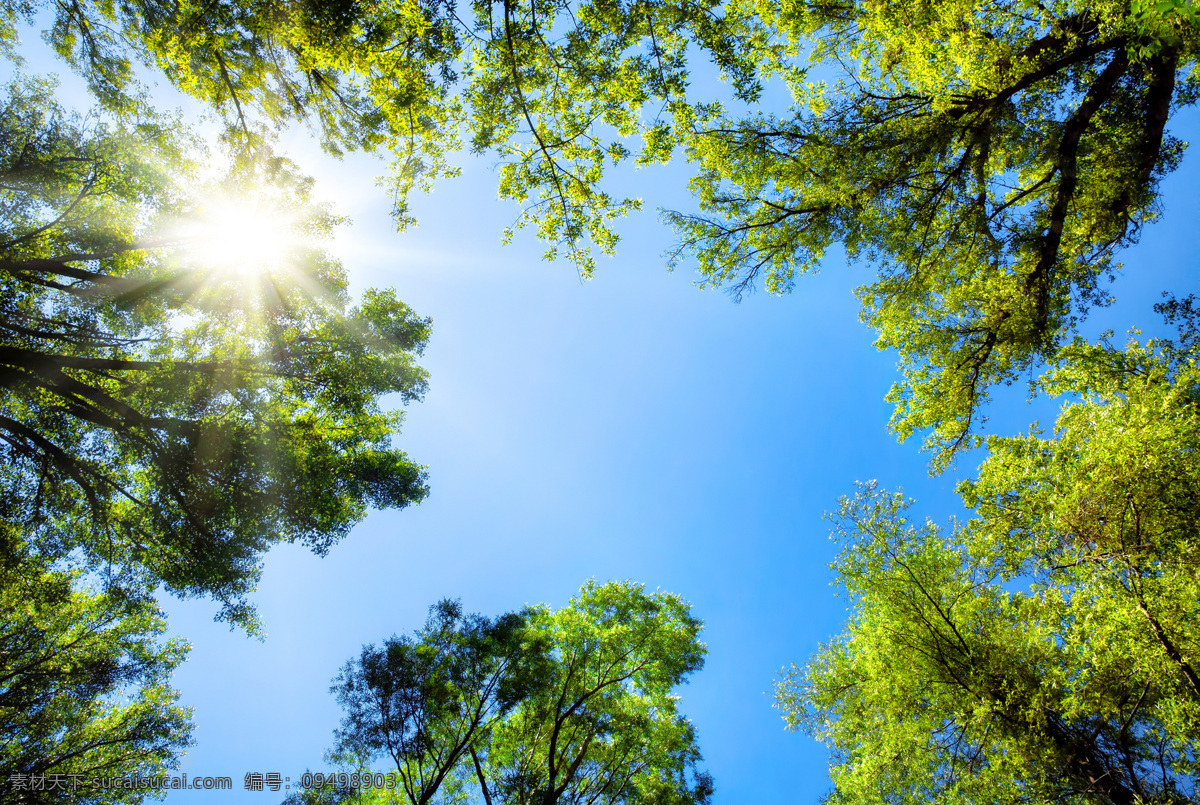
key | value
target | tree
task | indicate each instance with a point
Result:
(1107, 507)
(426, 702)
(1047, 649)
(537, 707)
(551, 87)
(990, 157)
(603, 726)
(84, 693)
(170, 416)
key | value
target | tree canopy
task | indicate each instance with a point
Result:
(1046, 649)
(536, 707)
(552, 88)
(165, 419)
(84, 688)
(990, 157)
(174, 399)
(169, 416)
(426, 701)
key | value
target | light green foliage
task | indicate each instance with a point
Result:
(952, 683)
(1047, 649)
(168, 417)
(83, 686)
(990, 158)
(533, 708)
(553, 88)
(557, 89)
(603, 726)
(1107, 509)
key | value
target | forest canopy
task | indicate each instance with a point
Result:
(538, 706)
(1046, 648)
(167, 414)
(990, 158)
(175, 398)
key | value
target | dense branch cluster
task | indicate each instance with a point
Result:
(1046, 648)
(174, 448)
(991, 167)
(163, 422)
(537, 707)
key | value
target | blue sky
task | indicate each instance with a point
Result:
(630, 427)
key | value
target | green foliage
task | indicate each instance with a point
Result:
(540, 706)
(558, 89)
(161, 418)
(425, 702)
(83, 685)
(552, 88)
(603, 725)
(990, 157)
(1047, 649)
(1106, 509)
(166, 415)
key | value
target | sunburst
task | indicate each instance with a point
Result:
(241, 238)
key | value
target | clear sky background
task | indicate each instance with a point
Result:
(630, 427)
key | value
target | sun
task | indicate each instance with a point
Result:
(241, 238)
